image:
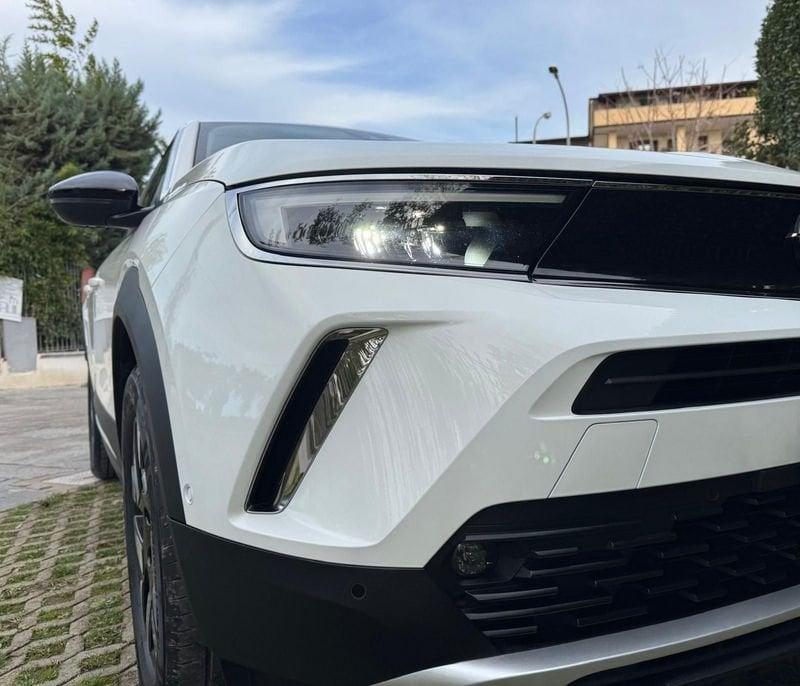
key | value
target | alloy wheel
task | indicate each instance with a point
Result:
(148, 580)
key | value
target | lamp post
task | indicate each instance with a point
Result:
(544, 115)
(554, 71)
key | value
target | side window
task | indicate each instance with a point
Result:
(153, 191)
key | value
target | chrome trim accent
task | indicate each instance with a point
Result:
(362, 346)
(248, 249)
(562, 664)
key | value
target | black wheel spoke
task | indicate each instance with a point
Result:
(138, 540)
(136, 466)
(141, 521)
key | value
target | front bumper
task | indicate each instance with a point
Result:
(275, 619)
(278, 620)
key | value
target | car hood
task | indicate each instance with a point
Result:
(263, 160)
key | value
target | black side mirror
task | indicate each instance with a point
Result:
(101, 198)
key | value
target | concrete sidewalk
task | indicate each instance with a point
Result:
(44, 446)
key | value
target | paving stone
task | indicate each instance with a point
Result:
(58, 584)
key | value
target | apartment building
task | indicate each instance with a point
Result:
(683, 118)
(677, 118)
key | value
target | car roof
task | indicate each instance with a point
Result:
(303, 131)
(213, 136)
(269, 159)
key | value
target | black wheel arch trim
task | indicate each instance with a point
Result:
(131, 312)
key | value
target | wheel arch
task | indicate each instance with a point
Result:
(133, 344)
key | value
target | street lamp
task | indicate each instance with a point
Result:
(544, 115)
(554, 71)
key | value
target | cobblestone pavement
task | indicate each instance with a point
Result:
(64, 609)
(44, 447)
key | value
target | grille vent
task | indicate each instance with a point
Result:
(663, 378)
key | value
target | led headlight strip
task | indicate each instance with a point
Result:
(467, 225)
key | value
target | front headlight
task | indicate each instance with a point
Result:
(483, 226)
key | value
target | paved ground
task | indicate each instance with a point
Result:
(64, 609)
(43, 443)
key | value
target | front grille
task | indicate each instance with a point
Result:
(569, 568)
(641, 380)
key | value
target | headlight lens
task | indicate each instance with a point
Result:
(447, 224)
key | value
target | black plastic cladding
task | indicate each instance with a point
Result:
(130, 308)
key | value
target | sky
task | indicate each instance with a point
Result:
(438, 70)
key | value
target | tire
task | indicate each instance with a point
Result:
(99, 464)
(165, 631)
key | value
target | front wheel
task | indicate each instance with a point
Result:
(164, 627)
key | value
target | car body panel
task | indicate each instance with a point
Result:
(261, 160)
(149, 248)
(508, 358)
(467, 404)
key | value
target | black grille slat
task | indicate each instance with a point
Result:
(742, 568)
(495, 536)
(680, 550)
(724, 524)
(512, 633)
(715, 558)
(577, 568)
(613, 581)
(538, 610)
(704, 594)
(663, 587)
(611, 562)
(609, 617)
(524, 594)
(688, 376)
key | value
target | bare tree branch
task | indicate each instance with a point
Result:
(676, 102)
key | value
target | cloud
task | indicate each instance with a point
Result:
(441, 71)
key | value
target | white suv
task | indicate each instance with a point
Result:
(388, 411)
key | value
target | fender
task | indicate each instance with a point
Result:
(131, 313)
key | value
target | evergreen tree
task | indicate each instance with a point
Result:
(778, 67)
(62, 112)
(774, 135)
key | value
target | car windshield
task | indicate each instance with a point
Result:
(214, 136)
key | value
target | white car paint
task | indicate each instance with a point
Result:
(398, 472)
(249, 162)
(468, 403)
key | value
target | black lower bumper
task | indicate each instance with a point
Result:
(287, 621)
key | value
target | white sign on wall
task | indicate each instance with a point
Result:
(10, 298)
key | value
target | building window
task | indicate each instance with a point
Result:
(645, 144)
